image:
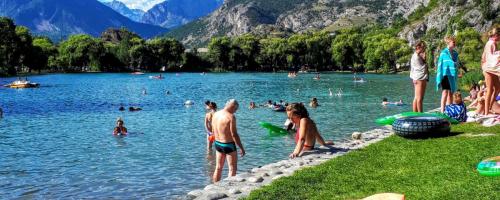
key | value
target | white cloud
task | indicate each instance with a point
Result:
(139, 4)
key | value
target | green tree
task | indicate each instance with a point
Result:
(469, 47)
(273, 53)
(27, 59)
(81, 53)
(166, 52)
(218, 51)
(386, 51)
(45, 53)
(141, 55)
(246, 49)
(9, 47)
(347, 48)
(318, 50)
(297, 49)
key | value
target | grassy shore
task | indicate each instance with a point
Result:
(438, 168)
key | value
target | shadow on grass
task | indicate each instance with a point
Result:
(433, 136)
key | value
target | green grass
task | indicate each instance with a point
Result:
(438, 168)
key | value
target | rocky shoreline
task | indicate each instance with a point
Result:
(243, 183)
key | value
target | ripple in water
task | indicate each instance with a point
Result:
(56, 140)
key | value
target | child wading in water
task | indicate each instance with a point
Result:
(211, 107)
(120, 129)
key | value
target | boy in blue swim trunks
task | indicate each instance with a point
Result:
(226, 139)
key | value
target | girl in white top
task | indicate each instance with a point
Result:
(490, 64)
(420, 75)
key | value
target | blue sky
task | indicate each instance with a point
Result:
(139, 4)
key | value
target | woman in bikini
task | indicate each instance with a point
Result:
(211, 107)
(307, 132)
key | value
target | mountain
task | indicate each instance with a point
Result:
(133, 14)
(455, 15)
(58, 19)
(264, 17)
(173, 13)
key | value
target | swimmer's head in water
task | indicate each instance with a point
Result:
(119, 122)
(297, 110)
(232, 105)
(384, 99)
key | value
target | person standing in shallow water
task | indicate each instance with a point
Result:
(226, 139)
(420, 75)
(211, 107)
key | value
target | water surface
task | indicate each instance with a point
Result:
(56, 142)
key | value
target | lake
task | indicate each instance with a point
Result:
(56, 141)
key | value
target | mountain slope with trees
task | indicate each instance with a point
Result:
(282, 17)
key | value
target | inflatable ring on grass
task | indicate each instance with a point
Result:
(421, 127)
(489, 167)
(391, 119)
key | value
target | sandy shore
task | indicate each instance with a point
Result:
(242, 184)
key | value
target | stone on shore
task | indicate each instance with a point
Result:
(242, 184)
(255, 179)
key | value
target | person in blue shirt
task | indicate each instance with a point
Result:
(447, 72)
(457, 110)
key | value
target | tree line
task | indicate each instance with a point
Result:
(370, 48)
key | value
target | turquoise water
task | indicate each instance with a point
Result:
(56, 142)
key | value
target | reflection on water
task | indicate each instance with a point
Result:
(56, 141)
(210, 164)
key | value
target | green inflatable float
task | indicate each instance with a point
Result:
(489, 167)
(273, 130)
(390, 119)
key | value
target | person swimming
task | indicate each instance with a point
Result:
(133, 109)
(252, 105)
(386, 102)
(144, 92)
(121, 108)
(317, 77)
(314, 103)
(120, 129)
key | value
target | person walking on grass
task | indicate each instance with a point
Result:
(447, 72)
(490, 65)
(420, 75)
(226, 139)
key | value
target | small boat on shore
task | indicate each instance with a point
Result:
(22, 84)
